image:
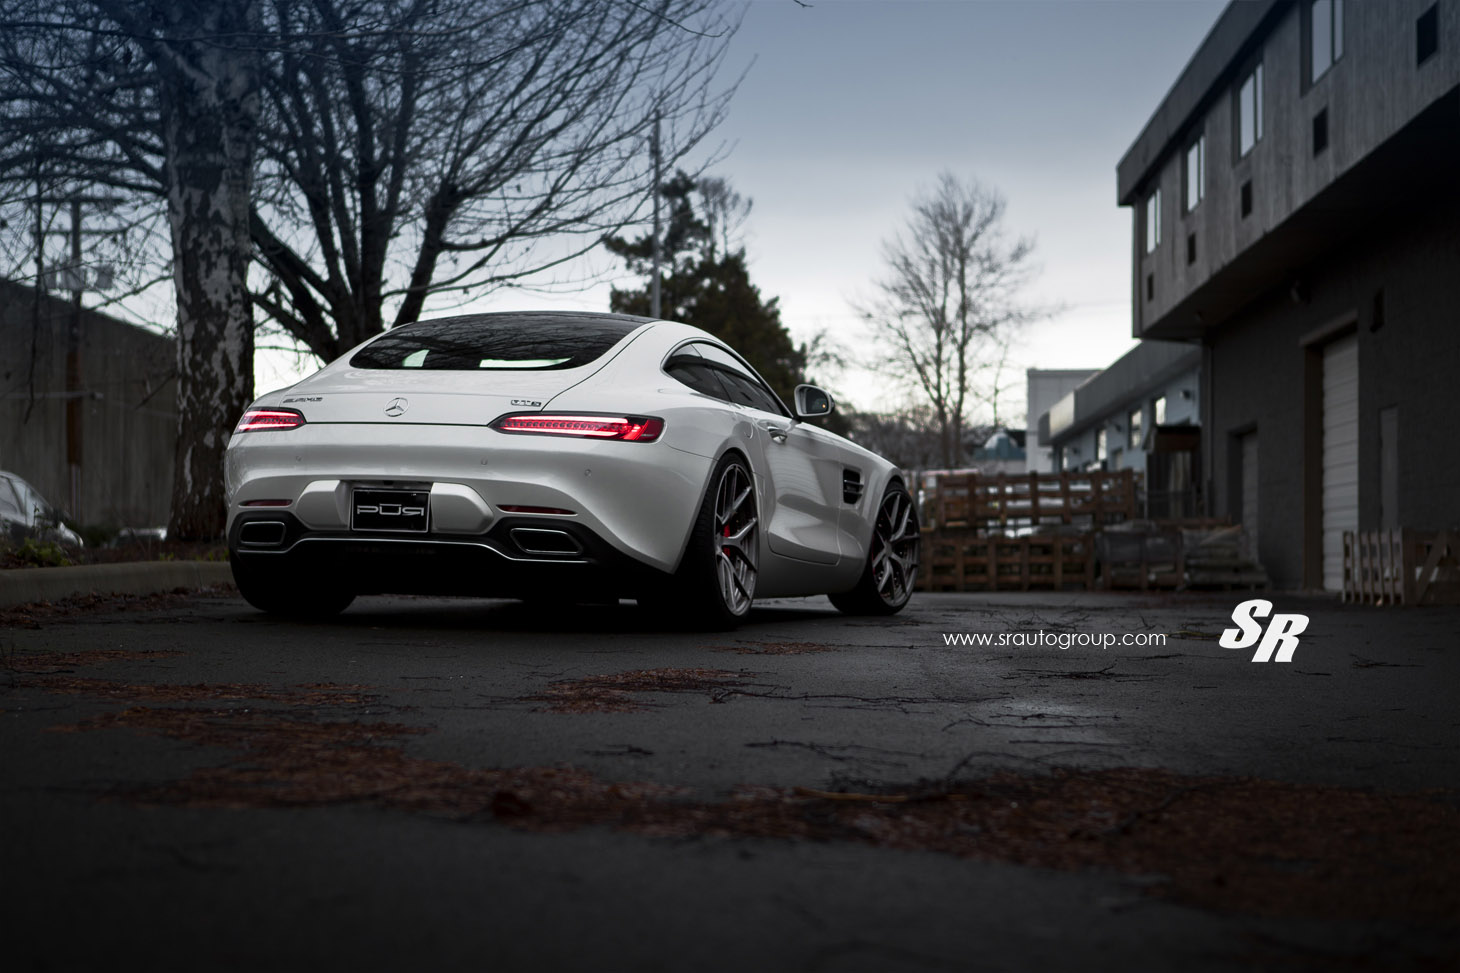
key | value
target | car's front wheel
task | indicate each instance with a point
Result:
(715, 584)
(887, 580)
(281, 592)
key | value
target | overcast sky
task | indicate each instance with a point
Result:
(851, 105)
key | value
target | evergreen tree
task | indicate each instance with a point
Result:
(709, 286)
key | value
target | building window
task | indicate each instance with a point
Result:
(1427, 35)
(1100, 446)
(1320, 131)
(1247, 199)
(1158, 411)
(1190, 248)
(1153, 220)
(1325, 36)
(1249, 112)
(1150, 287)
(1196, 172)
(1135, 429)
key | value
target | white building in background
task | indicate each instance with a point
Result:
(1046, 386)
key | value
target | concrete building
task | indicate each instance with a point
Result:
(125, 422)
(1107, 423)
(1043, 388)
(1296, 213)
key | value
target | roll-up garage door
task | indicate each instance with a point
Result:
(1340, 454)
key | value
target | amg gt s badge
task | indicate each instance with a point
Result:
(531, 402)
(397, 406)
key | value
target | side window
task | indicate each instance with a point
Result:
(745, 389)
(689, 368)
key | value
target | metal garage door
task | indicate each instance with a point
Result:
(1249, 493)
(1340, 454)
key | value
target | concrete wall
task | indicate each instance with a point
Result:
(1372, 92)
(129, 421)
(1409, 357)
(1183, 406)
(1043, 388)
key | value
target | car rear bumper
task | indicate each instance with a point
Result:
(518, 557)
(638, 499)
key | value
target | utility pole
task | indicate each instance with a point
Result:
(75, 389)
(74, 404)
(654, 305)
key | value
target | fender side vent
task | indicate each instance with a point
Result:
(852, 486)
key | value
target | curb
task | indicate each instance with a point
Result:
(21, 586)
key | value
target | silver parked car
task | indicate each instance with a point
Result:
(25, 513)
(574, 457)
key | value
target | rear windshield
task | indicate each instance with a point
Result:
(512, 342)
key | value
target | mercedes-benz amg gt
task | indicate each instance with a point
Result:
(566, 456)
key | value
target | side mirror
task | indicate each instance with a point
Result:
(812, 401)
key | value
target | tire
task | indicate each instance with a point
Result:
(715, 584)
(288, 595)
(887, 580)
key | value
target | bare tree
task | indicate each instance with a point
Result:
(367, 154)
(415, 148)
(907, 437)
(949, 302)
(160, 99)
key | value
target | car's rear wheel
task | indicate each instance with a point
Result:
(887, 580)
(715, 584)
(283, 593)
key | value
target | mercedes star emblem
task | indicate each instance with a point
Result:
(397, 406)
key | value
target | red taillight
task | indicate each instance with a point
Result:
(256, 420)
(634, 429)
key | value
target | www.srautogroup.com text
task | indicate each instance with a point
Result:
(1053, 640)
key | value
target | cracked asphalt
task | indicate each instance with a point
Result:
(439, 784)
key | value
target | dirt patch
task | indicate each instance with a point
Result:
(774, 648)
(1231, 844)
(1240, 845)
(616, 692)
(311, 694)
(35, 614)
(66, 661)
(289, 761)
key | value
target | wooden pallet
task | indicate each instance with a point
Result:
(1004, 501)
(1401, 567)
(964, 559)
(1140, 559)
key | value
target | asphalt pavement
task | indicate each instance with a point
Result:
(453, 784)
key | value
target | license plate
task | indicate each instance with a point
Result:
(395, 510)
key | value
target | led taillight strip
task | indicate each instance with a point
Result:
(256, 420)
(634, 429)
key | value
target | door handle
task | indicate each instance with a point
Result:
(778, 433)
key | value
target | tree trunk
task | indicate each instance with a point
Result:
(210, 108)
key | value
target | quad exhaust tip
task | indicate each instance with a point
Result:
(537, 540)
(262, 533)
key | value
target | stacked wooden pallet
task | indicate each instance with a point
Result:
(1025, 501)
(1401, 567)
(964, 560)
(1141, 558)
(1017, 532)
(1220, 559)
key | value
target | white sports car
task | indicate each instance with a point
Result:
(575, 457)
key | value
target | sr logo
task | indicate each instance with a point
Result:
(1282, 632)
